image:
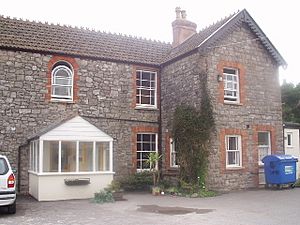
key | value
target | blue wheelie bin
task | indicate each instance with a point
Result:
(280, 170)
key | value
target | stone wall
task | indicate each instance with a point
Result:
(105, 97)
(259, 109)
(180, 84)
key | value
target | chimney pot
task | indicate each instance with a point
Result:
(183, 14)
(182, 28)
(177, 10)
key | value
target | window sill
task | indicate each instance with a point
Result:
(174, 167)
(234, 168)
(71, 173)
(154, 108)
(233, 103)
(62, 101)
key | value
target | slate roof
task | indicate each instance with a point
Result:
(208, 37)
(49, 38)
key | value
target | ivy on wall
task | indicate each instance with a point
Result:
(192, 129)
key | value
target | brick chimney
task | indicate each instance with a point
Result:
(182, 28)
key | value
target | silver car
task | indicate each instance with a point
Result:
(7, 186)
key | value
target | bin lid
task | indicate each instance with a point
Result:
(272, 158)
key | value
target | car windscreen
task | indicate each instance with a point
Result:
(3, 166)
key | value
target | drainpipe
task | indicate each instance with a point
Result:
(159, 124)
(283, 126)
(19, 169)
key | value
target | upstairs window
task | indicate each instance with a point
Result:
(146, 89)
(62, 82)
(231, 85)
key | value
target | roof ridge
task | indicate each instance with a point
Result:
(82, 28)
(220, 20)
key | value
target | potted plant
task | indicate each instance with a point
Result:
(153, 159)
(115, 188)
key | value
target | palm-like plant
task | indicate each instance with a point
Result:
(152, 160)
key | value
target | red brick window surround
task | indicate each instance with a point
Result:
(62, 78)
(241, 137)
(232, 86)
(144, 140)
(145, 86)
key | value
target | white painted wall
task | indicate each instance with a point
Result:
(48, 187)
(294, 149)
(33, 185)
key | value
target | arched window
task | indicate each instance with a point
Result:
(62, 82)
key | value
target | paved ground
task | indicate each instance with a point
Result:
(257, 207)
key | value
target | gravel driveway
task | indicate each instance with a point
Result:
(269, 207)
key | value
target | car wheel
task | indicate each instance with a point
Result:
(12, 208)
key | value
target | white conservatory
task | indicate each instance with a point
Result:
(71, 161)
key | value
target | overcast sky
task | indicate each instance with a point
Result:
(152, 18)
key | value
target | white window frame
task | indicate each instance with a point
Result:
(238, 150)
(70, 86)
(289, 139)
(229, 98)
(38, 159)
(34, 156)
(156, 150)
(173, 154)
(140, 88)
(261, 147)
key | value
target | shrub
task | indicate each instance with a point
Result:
(103, 196)
(114, 186)
(137, 182)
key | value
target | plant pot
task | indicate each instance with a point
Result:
(156, 191)
(118, 195)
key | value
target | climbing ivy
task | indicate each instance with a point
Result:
(192, 129)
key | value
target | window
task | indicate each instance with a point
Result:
(146, 143)
(102, 156)
(62, 82)
(146, 88)
(85, 156)
(289, 139)
(233, 151)
(34, 156)
(68, 156)
(231, 85)
(173, 154)
(264, 145)
(71, 156)
(50, 156)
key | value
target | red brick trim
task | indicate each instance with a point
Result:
(73, 63)
(245, 137)
(242, 86)
(135, 68)
(134, 132)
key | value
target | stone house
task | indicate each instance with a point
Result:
(79, 107)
